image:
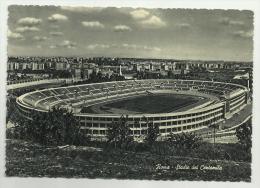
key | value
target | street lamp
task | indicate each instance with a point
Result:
(214, 126)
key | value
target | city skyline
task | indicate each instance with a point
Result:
(126, 32)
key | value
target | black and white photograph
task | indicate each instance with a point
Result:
(129, 93)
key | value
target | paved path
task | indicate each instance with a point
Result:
(238, 117)
(228, 135)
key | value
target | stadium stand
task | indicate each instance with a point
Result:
(230, 99)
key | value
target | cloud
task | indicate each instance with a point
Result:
(92, 24)
(123, 46)
(224, 20)
(56, 33)
(13, 35)
(54, 26)
(53, 46)
(98, 46)
(122, 28)
(57, 17)
(64, 44)
(26, 29)
(29, 21)
(141, 47)
(146, 19)
(153, 22)
(152, 48)
(81, 9)
(39, 38)
(243, 34)
(183, 25)
(139, 14)
(68, 44)
(228, 21)
(238, 23)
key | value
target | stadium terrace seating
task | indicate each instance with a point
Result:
(62, 97)
(84, 93)
(120, 83)
(129, 87)
(62, 104)
(78, 95)
(99, 86)
(46, 92)
(71, 89)
(47, 101)
(109, 84)
(54, 93)
(83, 88)
(74, 94)
(96, 91)
(112, 89)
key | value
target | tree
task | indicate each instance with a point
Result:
(170, 74)
(244, 134)
(55, 127)
(119, 134)
(152, 133)
(184, 141)
(11, 110)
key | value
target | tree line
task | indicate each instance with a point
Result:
(60, 127)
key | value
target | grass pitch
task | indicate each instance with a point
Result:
(156, 103)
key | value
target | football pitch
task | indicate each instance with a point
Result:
(156, 103)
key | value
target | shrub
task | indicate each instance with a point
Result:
(184, 140)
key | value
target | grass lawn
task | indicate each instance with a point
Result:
(26, 159)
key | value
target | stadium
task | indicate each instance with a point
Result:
(176, 106)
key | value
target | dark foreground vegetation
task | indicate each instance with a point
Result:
(53, 145)
(27, 159)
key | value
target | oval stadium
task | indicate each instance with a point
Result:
(176, 106)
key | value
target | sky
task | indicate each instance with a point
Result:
(197, 34)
